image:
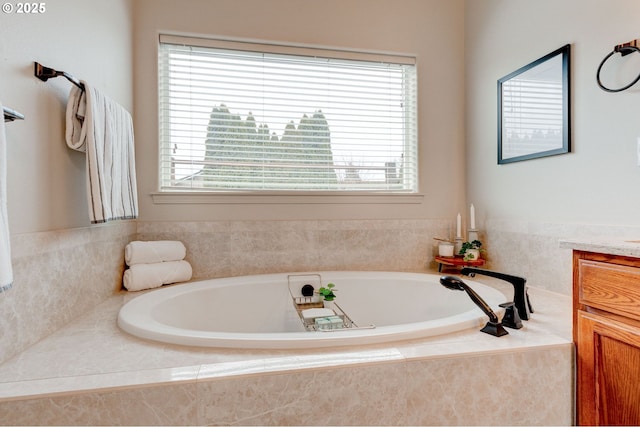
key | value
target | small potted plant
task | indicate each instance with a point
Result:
(326, 292)
(471, 250)
(327, 295)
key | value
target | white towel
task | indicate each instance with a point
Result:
(103, 129)
(138, 252)
(6, 271)
(148, 276)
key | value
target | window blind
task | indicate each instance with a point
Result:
(240, 116)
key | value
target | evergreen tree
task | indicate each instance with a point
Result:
(229, 140)
(298, 158)
(315, 147)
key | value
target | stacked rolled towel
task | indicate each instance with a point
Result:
(153, 264)
(138, 252)
(148, 276)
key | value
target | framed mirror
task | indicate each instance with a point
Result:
(533, 109)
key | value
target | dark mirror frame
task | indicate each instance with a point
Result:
(565, 52)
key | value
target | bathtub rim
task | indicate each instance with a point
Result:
(138, 310)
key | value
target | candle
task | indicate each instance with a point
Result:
(458, 226)
(473, 217)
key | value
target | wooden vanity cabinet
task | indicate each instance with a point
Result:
(606, 332)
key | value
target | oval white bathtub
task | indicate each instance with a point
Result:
(258, 311)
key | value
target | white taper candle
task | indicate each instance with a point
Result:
(473, 217)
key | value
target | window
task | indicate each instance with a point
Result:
(238, 116)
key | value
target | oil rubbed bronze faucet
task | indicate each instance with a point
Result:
(494, 326)
(520, 294)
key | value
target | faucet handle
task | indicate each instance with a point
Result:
(520, 294)
(511, 317)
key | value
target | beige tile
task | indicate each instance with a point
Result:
(495, 389)
(164, 405)
(371, 395)
(63, 274)
(71, 272)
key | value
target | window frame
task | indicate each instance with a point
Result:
(285, 196)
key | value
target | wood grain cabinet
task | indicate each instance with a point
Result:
(606, 331)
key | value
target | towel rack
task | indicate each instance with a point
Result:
(11, 115)
(46, 73)
(624, 49)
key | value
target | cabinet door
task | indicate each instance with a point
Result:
(608, 358)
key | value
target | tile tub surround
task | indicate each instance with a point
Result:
(234, 248)
(59, 275)
(66, 272)
(91, 373)
(237, 248)
(536, 249)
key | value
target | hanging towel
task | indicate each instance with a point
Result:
(103, 130)
(6, 271)
(138, 252)
(149, 276)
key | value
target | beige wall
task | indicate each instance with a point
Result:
(598, 182)
(430, 29)
(62, 266)
(92, 41)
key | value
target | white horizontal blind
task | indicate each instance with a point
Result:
(247, 117)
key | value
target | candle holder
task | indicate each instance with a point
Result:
(472, 234)
(457, 247)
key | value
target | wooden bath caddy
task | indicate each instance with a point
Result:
(306, 305)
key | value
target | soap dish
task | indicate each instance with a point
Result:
(312, 313)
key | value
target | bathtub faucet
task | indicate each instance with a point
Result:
(494, 326)
(520, 294)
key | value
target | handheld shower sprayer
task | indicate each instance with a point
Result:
(493, 326)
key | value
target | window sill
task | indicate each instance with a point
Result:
(279, 198)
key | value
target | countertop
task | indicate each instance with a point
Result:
(603, 245)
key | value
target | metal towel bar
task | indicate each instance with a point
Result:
(46, 73)
(11, 115)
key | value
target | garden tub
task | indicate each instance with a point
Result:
(263, 311)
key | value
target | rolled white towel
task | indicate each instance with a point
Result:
(148, 276)
(138, 252)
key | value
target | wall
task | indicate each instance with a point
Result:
(596, 182)
(92, 41)
(430, 29)
(237, 248)
(59, 275)
(525, 207)
(62, 266)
